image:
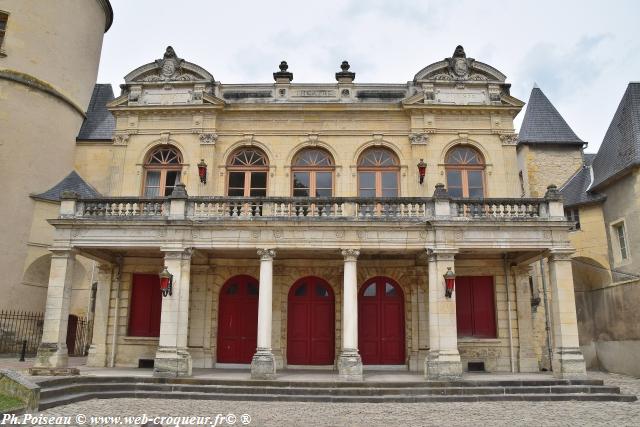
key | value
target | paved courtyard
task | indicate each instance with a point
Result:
(366, 414)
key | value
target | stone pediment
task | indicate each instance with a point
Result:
(169, 69)
(459, 68)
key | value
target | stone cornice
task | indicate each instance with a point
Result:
(108, 11)
(37, 84)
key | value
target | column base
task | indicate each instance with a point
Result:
(263, 365)
(52, 356)
(350, 366)
(172, 362)
(97, 357)
(568, 363)
(443, 365)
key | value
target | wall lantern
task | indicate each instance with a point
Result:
(422, 168)
(202, 171)
(166, 282)
(450, 282)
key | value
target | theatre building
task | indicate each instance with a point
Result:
(341, 226)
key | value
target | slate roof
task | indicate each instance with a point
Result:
(543, 124)
(574, 191)
(100, 123)
(72, 182)
(620, 149)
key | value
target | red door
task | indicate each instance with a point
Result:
(381, 322)
(310, 323)
(475, 307)
(238, 320)
(146, 306)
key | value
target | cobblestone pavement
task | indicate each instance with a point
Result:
(392, 414)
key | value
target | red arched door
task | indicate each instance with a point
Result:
(310, 323)
(381, 322)
(238, 320)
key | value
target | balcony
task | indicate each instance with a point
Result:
(410, 209)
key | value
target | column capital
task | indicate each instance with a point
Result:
(177, 253)
(561, 254)
(62, 252)
(351, 254)
(444, 254)
(266, 254)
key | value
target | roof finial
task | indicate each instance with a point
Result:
(535, 85)
(459, 52)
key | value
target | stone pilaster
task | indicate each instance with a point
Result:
(172, 358)
(443, 359)
(53, 355)
(349, 361)
(98, 350)
(568, 361)
(263, 364)
(527, 360)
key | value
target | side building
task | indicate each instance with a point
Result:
(49, 56)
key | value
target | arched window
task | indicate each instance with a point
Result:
(312, 173)
(247, 170)
(162, 171)
(378, 173)
(465, 172)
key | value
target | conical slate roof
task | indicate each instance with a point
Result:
(620, 149)
(100, 123)
(574, 191)
(72, 182)
(543, 124)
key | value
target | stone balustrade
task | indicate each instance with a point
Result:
(342, 208)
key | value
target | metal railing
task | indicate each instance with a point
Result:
(16, 327)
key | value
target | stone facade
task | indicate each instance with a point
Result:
(203, 238)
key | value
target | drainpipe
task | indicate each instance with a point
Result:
(112, 359)
(547, 318)
(506, 279)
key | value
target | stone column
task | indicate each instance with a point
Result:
(98, 350)
(567, 356)
(349, 361)
(527, 359)
(263, 364)
(172, 357)
(443, 359)
(53, 356)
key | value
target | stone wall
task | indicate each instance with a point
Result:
(544, 165)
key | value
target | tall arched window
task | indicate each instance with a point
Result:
(378, 173)
(247, 170)
(312, 173)
(162, 171)
(465, 172)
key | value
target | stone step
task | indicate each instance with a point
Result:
(319, 384)
(340, 391)
(66, 399)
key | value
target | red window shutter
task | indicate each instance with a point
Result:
(484, 320)
(464, 306)
(146, 306)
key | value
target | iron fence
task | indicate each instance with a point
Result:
(18, 328)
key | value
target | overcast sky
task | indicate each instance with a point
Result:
(582, 54)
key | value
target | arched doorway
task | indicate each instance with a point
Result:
(381, 338)
(238, 320)
(311, 323)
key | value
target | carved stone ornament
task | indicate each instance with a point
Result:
(266, 254)
(460, 68)
(121, 139)
(419, 138)
(350, 254)
(509, 138)
(169, 68)
(208, 138)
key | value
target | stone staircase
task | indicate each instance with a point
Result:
(62, 391)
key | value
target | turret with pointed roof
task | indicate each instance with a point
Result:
(543, 124)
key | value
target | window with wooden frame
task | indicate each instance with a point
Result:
(312, 173)
(465, 172)
(378, 173)
(621, 236)
(162, 171)
(573, 215)
(247, 170)
(4, 17)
